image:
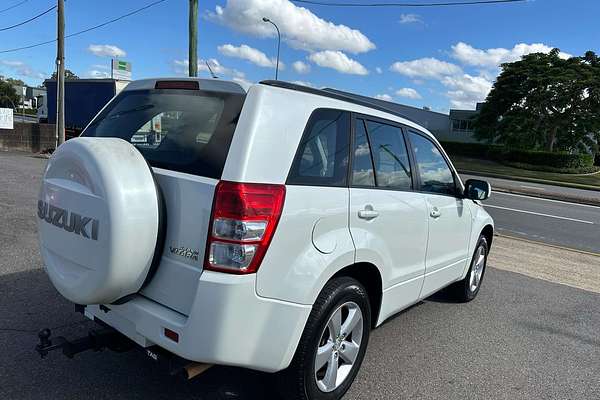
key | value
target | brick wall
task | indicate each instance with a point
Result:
(27, 137)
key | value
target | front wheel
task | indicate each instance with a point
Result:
(467, 289)
(333, 344)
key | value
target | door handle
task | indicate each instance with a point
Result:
(435, 212)
(368, 213)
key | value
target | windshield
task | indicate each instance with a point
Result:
(183, 130)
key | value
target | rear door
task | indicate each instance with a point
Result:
(449, 217)
(388, 222)
(185, 135)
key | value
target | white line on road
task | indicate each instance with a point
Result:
(532, 187)
(540, 214)
(496, 192)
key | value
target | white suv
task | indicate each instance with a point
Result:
(269, 229)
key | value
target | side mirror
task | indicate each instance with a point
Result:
(477, 190)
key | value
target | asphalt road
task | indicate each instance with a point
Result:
(550, 221)
(522, 338)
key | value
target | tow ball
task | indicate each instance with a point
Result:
(95, 340)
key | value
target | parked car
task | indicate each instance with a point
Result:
(270, 229)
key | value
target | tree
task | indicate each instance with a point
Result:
(8, 95)
(68, 75)
(13, 81)
(544, 102)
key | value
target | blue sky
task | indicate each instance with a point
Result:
(443, 57)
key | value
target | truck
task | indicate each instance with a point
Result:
(84, 98)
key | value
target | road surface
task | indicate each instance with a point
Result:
(549, 221)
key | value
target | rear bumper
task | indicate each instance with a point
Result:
(228, 324)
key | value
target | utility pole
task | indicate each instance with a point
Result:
(193, 38)
(60, 75)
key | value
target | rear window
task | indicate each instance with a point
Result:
(182, 130)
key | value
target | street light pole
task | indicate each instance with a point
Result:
(60, 75)
(265, 19)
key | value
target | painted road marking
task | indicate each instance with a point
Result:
(541, 214)
(532, 187)
(543, 199)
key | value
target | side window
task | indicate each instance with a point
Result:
(390, 157)
(322, 156)
(434, 172)
(362, 164)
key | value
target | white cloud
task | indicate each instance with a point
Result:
(410, 19)
(181, 68)
(431, 68)
(378, 70)
(384, 96)
(466, 90)
(338, 61)
(251, 54)
(492, 58)
(303, 83)
(299, 26)
(301, 67)
(97, 74)
(409, 93)
(106, 50)
(23, 69)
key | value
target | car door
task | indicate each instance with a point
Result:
(449, 217)
(388, 221)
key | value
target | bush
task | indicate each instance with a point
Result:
(559, 160)
(474, 150)
(597, 162)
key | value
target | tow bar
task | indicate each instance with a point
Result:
(109, 338)
(96, 340)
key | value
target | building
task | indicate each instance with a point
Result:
(462, 124)
(29, 95)
(456, 127)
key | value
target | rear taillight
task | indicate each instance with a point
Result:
(243, 221)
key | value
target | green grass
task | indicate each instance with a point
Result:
(494, 169)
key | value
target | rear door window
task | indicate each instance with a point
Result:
(362, 163)
(322, 156)
(182, 130)
(392, 166)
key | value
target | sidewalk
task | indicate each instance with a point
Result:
(550, 263)
(562, 193)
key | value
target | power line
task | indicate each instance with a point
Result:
(29, 20)
(13, 6)
(87, 29)
(392, 4)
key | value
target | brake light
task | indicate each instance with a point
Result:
(244, 219)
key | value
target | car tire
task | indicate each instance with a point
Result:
(342, 299)
(467, 289)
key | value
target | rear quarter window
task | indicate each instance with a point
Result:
(322, 155)
(181, 130)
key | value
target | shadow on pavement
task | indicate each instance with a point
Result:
(30, 303)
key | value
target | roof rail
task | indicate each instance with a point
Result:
(338, 95)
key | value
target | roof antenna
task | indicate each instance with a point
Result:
(211, 71)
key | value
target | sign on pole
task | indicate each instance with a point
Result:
(6, 118)
(121, 70)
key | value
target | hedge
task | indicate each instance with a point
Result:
(597, 162)
(501, 153)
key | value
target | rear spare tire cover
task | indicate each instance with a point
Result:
(98, 219)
